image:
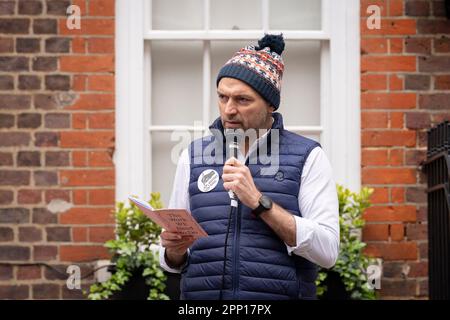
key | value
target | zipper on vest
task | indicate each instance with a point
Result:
(237, 231)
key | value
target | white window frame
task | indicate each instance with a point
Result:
(339, 92)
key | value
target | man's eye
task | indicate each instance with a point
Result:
(221, 97)
(243, 100)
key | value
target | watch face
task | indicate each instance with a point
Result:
(266, 202)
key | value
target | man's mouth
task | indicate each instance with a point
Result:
(232, 124)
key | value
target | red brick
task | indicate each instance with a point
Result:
(388, 138)
(57, 194)
(87, 177)
(377, 157)
(398, 195)
(388, 63)
(102, 197)
(104, 63)
(101, 234)
(89, 27)
(379, 196)
(78, 45)
(397, 231)
(388, 100)
(45, 253)
(79, 234)
(79, 196)
(79, 158)
(393, 251)
(442, 82)
(101, 120)
(29, 196)
(382, 4)
(100, 139)
(101, 8)
(396, 45)
(390, 27)
(433, 26)
(101, 45)
(418, 269)
(79, 121)
(396, 8)
(101, 83)
(395, 82)
(373, 45)
(442, 45)
(15, 292)
(396, 157)
(93, 102)
(391, 213)
(375, 232)
(29, 272)
(373, 82)
(397, 120)
(418, 45)
(83, 253)
(437, 101)
(417, 8)
(393, 288)
(417, 231)
(80, 216)
(79, 83)
(374, 120)
(388, 175)
(100, 159)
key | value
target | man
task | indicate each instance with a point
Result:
(286, 222)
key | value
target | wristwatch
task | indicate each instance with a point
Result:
(265, 204)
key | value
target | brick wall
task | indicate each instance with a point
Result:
(56, 143)
(405, 88)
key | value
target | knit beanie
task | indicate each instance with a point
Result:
(261, 67)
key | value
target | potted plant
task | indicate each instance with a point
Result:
(135, 266)
(348, 278)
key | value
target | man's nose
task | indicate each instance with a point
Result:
(230, 107)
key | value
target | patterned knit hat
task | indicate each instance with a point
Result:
(260, 67)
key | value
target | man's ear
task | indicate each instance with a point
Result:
(271, 108)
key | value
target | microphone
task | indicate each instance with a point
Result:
(233, 138)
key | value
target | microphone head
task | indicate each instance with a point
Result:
(234, 135)
(233, 138)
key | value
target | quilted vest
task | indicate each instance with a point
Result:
(258, 266)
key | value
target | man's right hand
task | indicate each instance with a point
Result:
(176, 247)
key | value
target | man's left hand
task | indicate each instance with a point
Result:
(238, 178)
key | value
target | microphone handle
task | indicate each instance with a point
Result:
(234, 148)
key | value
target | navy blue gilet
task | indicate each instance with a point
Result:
(258, 265)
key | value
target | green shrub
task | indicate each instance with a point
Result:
(131, 252)
(351, 263)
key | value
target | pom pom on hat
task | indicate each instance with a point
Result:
(273, 41)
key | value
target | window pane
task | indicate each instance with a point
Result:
(176, 82)
(221, 52)
(177, 14)
(300, 90)
(163, 168)
(295, 14)
(235, 14)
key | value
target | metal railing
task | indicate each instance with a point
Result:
(437, 168)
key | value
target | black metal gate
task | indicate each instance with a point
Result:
(437, 168)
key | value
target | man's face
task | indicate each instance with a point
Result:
(241, 106)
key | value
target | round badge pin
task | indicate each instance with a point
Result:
(208, 180)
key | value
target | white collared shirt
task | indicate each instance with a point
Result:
(317, 231)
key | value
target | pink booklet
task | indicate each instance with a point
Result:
(174, 220)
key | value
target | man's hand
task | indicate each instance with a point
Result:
(238, 178)
(176, 247)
